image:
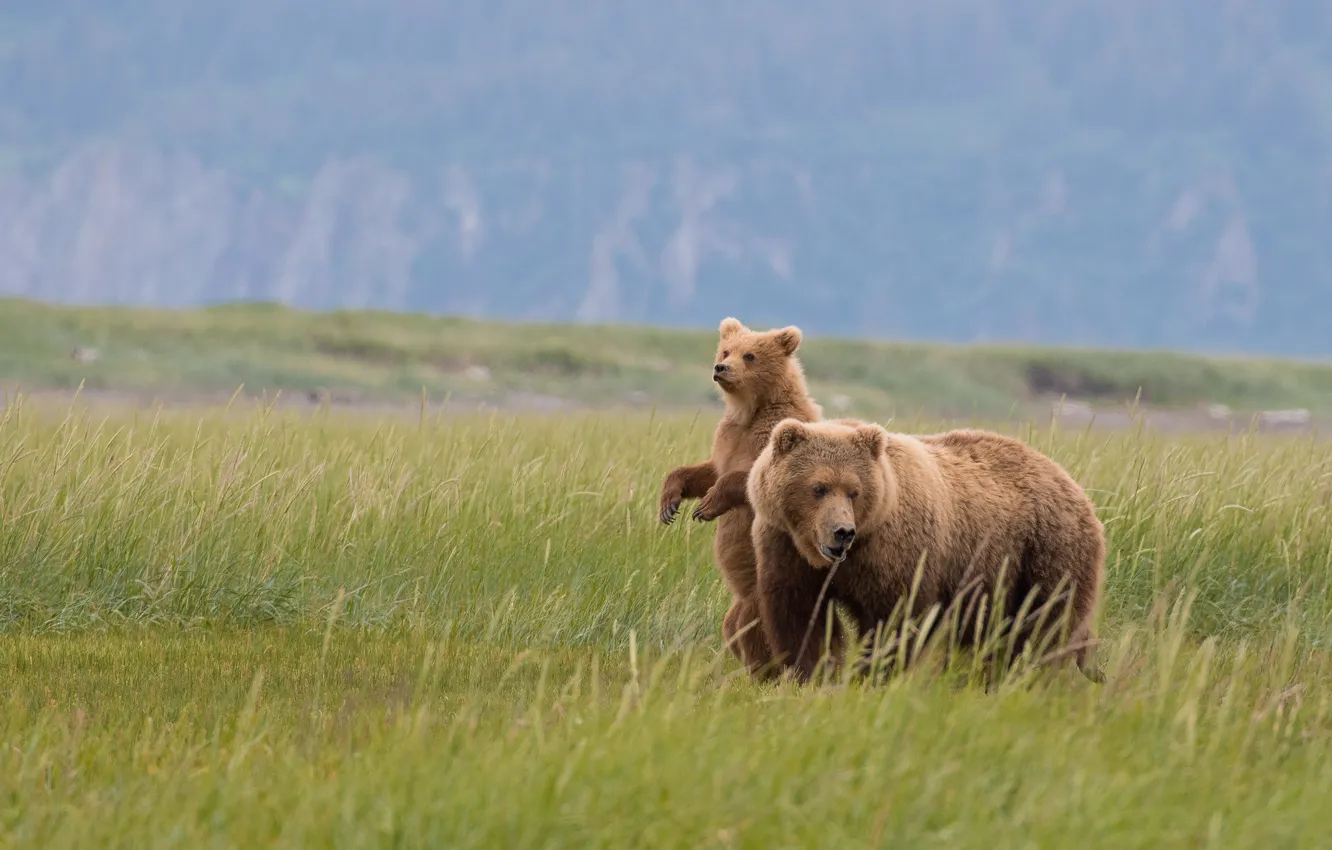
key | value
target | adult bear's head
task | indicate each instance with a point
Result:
(823, 483)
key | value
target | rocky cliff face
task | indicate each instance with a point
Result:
(952, 173)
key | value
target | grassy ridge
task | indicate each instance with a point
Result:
(368, 355)
(471, 632)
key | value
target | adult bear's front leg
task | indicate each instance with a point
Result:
(794, 618)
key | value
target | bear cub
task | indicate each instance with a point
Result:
(762, 383)
(964, 506)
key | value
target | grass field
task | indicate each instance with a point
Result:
(363, 356)
(245, 628)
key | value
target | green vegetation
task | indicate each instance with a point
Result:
(265, 627)
(375, 355)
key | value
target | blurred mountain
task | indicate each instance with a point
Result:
(1108, 172)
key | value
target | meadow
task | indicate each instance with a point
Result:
(248, 626)
(363, 357)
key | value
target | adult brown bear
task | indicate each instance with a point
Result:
(963, 506)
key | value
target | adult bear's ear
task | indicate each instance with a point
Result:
(872, 438)
(788, 434)
(731, 327)
(788, 339)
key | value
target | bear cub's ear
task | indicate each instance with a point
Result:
(731, 327)
(788, 434)
(871, 438)
(788, 339)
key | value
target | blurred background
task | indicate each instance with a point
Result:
(1124, 173)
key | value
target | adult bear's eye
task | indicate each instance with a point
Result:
(820, 491)
(749, 358)
(725, 354)
(853, 494)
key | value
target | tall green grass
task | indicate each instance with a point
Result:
(246, 627)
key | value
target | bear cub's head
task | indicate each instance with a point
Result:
(752, 365)
(822, 483)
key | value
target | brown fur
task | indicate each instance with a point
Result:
(762, 383)
(972, 503)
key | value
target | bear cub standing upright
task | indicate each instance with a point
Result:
(963, 505)
(762, 383)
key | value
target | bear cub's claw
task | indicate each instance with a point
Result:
(668, 511)
(707, 509)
